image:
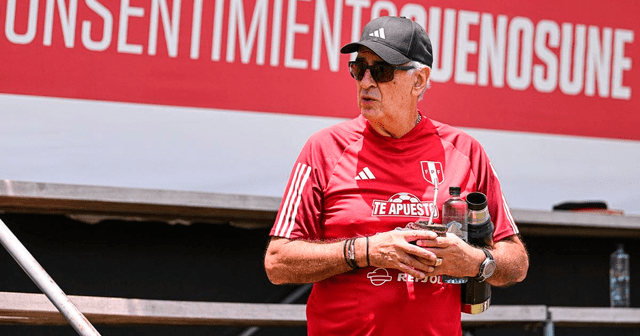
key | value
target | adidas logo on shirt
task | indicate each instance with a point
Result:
(378, 33)
(365, 174)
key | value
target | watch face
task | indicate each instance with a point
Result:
(489, 268)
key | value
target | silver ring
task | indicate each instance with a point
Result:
(438, 262)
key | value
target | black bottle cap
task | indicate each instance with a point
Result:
(454, 191)
(476, 201)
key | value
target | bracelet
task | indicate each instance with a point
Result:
(352, 253)
(349, 253)
(344, 252)
(368, 262)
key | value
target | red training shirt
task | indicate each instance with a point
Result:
(351, 181)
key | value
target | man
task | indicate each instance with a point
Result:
(366, 177)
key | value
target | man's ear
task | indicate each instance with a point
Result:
(421, 80)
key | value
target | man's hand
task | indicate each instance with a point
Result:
(393, 249)
(460, 259)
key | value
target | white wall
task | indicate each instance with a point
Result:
(147, 146)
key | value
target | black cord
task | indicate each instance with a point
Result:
(368, 262)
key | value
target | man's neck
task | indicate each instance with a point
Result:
(396, 129)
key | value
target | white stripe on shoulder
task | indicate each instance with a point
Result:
(285, 227)
(509, 215)
(505, 205)
(298, 199)
(285, 206)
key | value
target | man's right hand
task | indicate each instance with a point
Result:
(397, 249)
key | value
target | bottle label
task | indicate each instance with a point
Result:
(455, 228)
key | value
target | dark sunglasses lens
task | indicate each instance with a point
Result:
(382, 73)
(356, 69)
(379, 72)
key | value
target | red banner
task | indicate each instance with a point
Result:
(564, 67)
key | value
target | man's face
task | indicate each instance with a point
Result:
(384, 103)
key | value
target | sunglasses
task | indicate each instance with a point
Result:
(380, 72)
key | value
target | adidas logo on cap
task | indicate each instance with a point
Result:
(378, 33)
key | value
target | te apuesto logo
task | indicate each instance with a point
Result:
(403, 204)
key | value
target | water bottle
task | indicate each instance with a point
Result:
(479, 225)
(454, 217)
(619, 278)
(476, 296)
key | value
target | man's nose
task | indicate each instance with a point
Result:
(367, 80)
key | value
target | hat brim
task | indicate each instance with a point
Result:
(385, 52)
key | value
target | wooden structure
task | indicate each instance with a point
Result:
(35, 309)
(93, 204)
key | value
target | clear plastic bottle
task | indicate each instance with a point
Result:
(619, 278)
(454, 217)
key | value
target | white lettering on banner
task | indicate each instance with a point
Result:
(415, 12)
(520, 53)
(516, 52)
(546, 81)
(275, 34)
(382, 8)
(67, 19)
(196, 27)
(620, 63)
(293, 28)
(567, 85)
(123, 29)
(170, 24)
(492, 50)
(465, 47)
(107, 29)
(356, 19)
(598, 60)
(258, 27)
(443, 65)
(10, 28)
(217, 31)
(321, 28)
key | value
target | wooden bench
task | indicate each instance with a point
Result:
(35, 309)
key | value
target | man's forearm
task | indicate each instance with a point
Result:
(297, 261)
(512, 262)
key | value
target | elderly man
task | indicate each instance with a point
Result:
(355, 182)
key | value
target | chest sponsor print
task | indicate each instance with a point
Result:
(381, 276)
(403, 204)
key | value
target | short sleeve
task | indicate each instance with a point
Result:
(489, 184)
(301, 207)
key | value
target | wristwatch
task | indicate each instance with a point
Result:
(487, 267)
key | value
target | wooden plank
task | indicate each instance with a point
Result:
(35, 309)
(95, 203)
(580, 224)
(137, 204)
(595, 316)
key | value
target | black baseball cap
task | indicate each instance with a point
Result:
(397, 40)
